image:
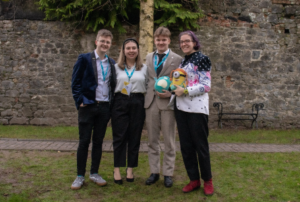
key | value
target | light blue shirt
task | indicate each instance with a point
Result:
(102, 91)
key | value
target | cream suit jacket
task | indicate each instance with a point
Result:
(173, 61)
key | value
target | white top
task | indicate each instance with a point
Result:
(198, 71)
(137, 81)
(102, 90)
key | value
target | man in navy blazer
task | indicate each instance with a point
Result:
(93, 86)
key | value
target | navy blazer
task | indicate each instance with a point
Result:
(85, 79)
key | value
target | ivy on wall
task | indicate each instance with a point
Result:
(93, 14)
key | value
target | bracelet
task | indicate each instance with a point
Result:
(186, 91)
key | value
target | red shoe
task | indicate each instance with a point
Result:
(208, 188)
(193, 185)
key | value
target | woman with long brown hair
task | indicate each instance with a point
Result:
(128, 113)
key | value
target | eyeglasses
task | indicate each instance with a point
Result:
(103, 41)
(186, 41)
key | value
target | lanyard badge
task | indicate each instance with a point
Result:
(104, 74)
(162, 61)
(129, 76)
(127, 85)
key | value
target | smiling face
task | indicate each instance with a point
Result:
(131, 50)
(103, 44)
(187, 44)
(162, 43)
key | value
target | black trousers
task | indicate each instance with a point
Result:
(193, 134)
(128, 116)
(92, 118)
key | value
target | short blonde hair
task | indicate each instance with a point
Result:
(162, 31)
(122, 57)
(104, 32)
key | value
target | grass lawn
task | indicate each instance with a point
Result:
(216, 135)
(47, 176)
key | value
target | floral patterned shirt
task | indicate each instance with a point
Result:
(198, 69)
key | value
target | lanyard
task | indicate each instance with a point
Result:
(129, 76)
(104, 74)
(162, 61)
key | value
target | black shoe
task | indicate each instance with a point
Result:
(129, 179)
(152, 179)
(119, 182)
(168, 181)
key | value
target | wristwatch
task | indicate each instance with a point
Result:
(186, 91)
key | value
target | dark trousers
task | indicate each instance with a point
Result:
(92, 118)
(127, 119)
(193, 134)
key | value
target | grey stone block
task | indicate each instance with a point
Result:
(255, 10)
(265, 4)
(48, 45)
(221, 67)
(53, 114)
(236, 66)
(68, 108)
(12, 93)
(54, 99)
(273, 18)
(3, 121)
(27, 112)
(63, 51)
(39, 114)
(59, 45)
(7, 84)
(43, 121)
(257, 45)
(7, 112)
(19, 121)
(290, 10)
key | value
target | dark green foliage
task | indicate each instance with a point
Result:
(182, 13)
(94, 14)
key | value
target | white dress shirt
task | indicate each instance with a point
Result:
(156, 52)
(102, 90)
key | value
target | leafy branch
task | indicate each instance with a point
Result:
(113, 13)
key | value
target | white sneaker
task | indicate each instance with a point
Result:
(77, 184)
(98, 179)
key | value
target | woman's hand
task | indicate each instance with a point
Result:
(179, 90)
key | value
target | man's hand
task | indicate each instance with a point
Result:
(179, 90)
(166, 94)
(82, 105)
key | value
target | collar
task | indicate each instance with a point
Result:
(97, 57)
(186, 57)
(166, 52)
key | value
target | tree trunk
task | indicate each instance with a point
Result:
(146, 27)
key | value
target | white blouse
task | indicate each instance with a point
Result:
(137, 81)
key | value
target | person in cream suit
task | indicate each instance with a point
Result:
(158, 116)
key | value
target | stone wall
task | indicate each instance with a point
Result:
(36, 62)
(254, 47)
